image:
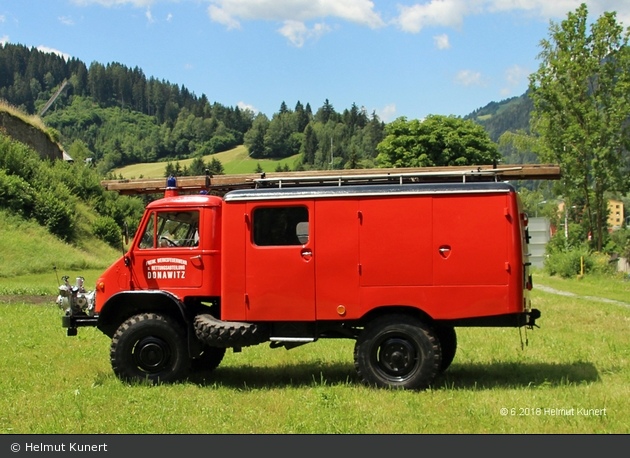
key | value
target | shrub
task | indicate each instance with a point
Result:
(568, 263)
(106, 229)
(54, 208)
(16, 194)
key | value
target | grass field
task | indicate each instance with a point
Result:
(234, 161)
(577, 361)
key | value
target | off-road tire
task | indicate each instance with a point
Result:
(209, 359)
(226, 334)
(150, 347)
(397, 351)
(448, 344)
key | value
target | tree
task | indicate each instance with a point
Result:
(215, 167)
(582, 108)
(309, 145)
(197, 167)
(436, 141)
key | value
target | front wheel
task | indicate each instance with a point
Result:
(150, 347)
(397, 351)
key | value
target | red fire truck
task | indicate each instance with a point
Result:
(393, 261)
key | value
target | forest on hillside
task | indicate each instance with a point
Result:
(119, 116)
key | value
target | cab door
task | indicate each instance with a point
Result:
(280, 261)
(168, 256)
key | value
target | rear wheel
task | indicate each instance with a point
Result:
(448, 344)
(150, 347)
(397, 351)
(209, 359)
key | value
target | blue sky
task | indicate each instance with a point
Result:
(410, 58)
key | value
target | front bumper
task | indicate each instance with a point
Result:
(72, 322)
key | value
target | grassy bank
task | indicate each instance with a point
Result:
(578, 359)
(234, 161)
(28, 248)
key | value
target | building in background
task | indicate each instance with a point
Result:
(615, 215)
(539, 233)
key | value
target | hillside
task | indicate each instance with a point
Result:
(56, 213)
(512, 114)
(507, 115)
(118, 116)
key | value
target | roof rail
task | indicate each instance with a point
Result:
(401, 178)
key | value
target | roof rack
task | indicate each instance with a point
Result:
(400, 178)
(464, 174)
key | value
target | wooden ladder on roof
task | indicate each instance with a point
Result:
(460, 174)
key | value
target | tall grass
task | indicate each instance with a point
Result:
(578, 359)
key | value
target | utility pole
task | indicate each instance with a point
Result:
(332, 158)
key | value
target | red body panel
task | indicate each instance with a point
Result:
(453, 256)
(370, 252)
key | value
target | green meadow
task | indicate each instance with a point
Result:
(570, 376)
(234, 161)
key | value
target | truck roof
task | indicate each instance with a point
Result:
(367, 190)
(196, 200)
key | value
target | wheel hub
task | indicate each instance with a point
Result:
(151, 354)
(397, 357)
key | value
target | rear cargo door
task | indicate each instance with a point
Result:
(471, 236)
(280, 261)
(395, 241)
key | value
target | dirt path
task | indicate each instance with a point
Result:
(551, 290)
(37, 300)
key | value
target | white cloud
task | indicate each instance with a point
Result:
(424, 13)
(448, 13)
(4, 40)
(244, 106)
(452, 13)
(297, 32)
(3, 18)
(388, 113)
(54, 51)
(441, 41)
(169, 17)
(470, 78)
(514, 76)
(228, 12)
(223, 17)
(189, 66)
(149, 16)
(67, 20)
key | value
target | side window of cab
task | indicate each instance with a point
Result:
(171, 229)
